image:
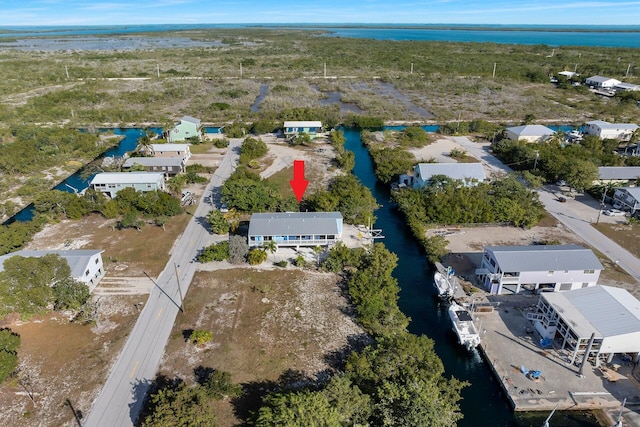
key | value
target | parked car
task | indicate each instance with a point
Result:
(617, 205)
(562, 199)
(614, 212)
(561, 183)
(224, 208)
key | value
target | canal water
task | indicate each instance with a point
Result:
(483, 402)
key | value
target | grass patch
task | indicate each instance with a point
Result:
(627, 236)
(281, 180)
(200, 148)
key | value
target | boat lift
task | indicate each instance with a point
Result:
(546, 422)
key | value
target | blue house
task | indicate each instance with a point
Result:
(295, 228)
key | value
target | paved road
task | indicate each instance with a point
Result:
(120, 401)
(577, 215)
(572, 215)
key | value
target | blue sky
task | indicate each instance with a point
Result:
(88, 12)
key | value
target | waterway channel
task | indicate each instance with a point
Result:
(483, 402)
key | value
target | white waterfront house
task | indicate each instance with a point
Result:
(513, 269)
(469, 173)
(628, 198)
(86, 265)
(294, 128)
(188, 127)
(606, 130)
(529, 133)
(295, 228)
(181, 151)
(570, 318)
(112, 182)
(602, 82)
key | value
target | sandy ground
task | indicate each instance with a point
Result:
(438, 151)
(317, 157)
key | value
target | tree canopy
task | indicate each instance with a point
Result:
(347, 195)
(397, 380)
(29, 285)
(447, 201)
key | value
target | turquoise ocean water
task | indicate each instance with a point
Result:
(609, 36)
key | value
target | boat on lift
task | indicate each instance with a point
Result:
(444, 286)
(463, 326)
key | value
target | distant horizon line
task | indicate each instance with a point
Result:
(329, 24)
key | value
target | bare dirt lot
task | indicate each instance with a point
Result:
(265, 324)
(63, 364)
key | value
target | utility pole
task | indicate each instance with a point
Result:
(604, 193)
(535, 162)
(179, 288)
(494, 69)
(325, 70)
(241, 70)
(66, 70)
(412, 68)
(627, 74)
(158, 69)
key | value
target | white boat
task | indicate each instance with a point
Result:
(463, 326)
(443, 285)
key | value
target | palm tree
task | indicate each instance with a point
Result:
(270, 246)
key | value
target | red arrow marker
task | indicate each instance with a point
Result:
(298, 184)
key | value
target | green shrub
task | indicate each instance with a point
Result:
(9, 344)
(200, 337)
(218, 385)
(436, 248)
(70, 294)
(215, 252)
(252, 149)
(221, 143)
(238, 249)
(282, 263)
(300, 261)
(219, 224)
(257, 256)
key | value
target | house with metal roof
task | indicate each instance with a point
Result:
(469, 173)
(188, 127)
(529, 133)
(618, 174)
(294, 128)
(295, 228)
(606, 130)
(86, 265)
(537, 268)
(112, 182)
(611, 314)
(629, 87)
(170, 166)
(628, 198)
(602, 82)
(181, 151)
